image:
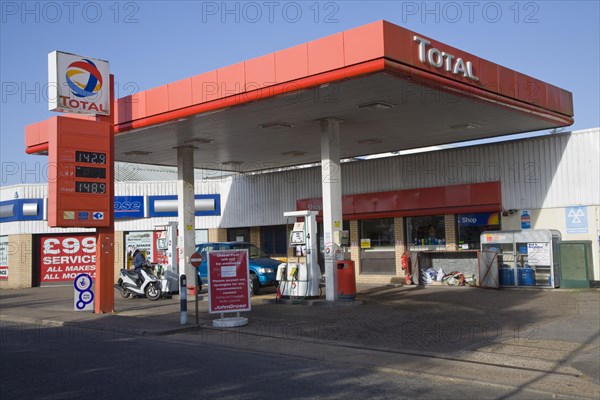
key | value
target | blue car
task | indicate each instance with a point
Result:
(262, 268)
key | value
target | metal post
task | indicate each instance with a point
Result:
(183, 299)
(196, 291)
(331, 174)
(105, 237)
(185, 216)
(185, 208)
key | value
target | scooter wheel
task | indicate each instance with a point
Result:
(125, 293)
(153, 292)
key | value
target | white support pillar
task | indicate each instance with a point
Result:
(186, 245)
(331, 174)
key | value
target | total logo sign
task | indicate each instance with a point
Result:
(444, 60)
(78, 84)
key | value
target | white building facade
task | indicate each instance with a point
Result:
(434, 201)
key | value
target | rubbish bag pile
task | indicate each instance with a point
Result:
(454, 278)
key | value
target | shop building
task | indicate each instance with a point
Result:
(437, 201)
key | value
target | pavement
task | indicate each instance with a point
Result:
(555, 331)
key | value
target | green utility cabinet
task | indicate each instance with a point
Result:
(576, 263)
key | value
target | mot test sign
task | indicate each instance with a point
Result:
(229, 289)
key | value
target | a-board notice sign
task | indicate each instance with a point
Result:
(229, 289)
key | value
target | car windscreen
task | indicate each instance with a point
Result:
(253, 251)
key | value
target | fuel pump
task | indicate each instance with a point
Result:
(167, 243)
(299, 280)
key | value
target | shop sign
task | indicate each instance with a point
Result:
(480, 219)
(229, 289)
(78, 84)
(443, 60)
(365, 243)
(65, 257)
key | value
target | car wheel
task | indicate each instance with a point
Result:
(254, 284)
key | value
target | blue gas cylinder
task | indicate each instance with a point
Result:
(526, 276)
(507, 277)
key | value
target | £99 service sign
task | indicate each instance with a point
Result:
(229, 289)
(64, 257)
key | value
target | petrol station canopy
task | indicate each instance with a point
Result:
(392, 89)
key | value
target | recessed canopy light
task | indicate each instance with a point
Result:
(468, 125)
(378, 105)
(369, 141)
(293, 153)
(200, 141)
(232, 162)
(137, 153)
(276, 124)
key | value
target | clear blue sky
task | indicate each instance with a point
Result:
(150, 43)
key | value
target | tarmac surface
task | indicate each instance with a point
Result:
(554, 333)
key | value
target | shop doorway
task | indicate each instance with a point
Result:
(377, 246)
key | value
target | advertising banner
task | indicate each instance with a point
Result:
(160, 256)
(64, 257)
(229, 289)
(141, 241)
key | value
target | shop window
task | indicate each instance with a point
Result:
(273, 240)
(201, 236)
(471, 226)
(426, 233)
(377, 246)
(238, 235)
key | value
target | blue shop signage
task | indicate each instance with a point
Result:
(129, 207)
(480, 219)
(22, 210)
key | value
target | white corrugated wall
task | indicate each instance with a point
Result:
(543, 172)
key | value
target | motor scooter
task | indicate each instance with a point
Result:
(144, 283)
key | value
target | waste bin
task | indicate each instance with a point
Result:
(346, 280)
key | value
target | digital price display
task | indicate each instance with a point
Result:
(90, 187)
(79, 192)
(90, 157)
(90, 172)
